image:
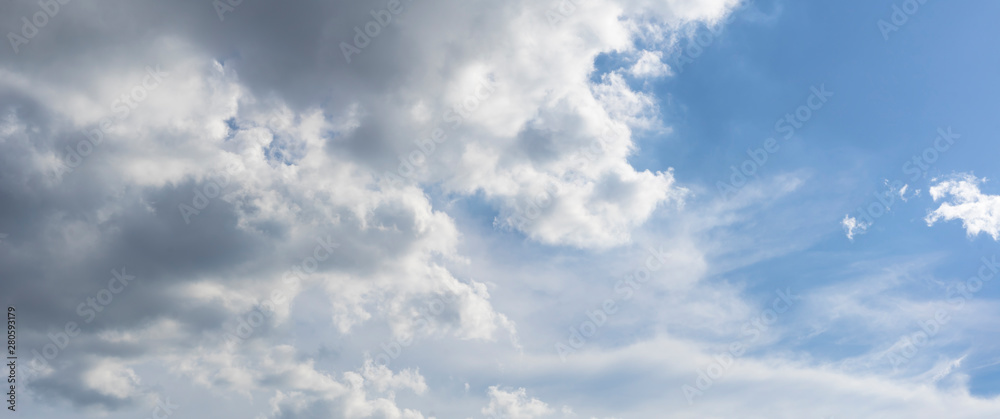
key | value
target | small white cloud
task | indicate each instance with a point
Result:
(979, 212)
(112, 379)
(515, 405)
(907, 196)
(852, 226)
(650, 64)
(382, 378)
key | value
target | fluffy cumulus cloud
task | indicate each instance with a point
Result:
(185, 186)
(650, 64)
(515, 404)
(307, 393)
(979, 212)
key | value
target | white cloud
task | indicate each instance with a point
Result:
(113, 379)
(515, 404)
(650, 64)
(852, 226)
(979, 212)
(307, 164)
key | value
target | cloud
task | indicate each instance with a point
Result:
(278, 144)
(852, 226)
(214, 188)
(979, 212)
(360, 394)
(650, 64)
(515, 404)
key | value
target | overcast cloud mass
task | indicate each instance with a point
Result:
(414, 209)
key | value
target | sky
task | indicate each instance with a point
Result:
(413, 209)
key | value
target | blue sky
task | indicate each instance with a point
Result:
(891, 97)
(480, 261)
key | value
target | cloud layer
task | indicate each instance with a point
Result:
(256, 208)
